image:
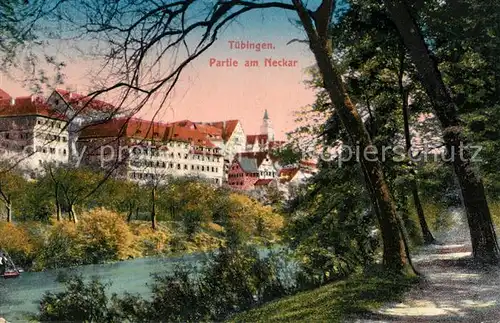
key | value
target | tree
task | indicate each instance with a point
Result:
(483, 237)
(11, 186)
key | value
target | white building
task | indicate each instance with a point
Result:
(32, 134)
(145, 151)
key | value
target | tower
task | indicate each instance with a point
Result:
(267, 128)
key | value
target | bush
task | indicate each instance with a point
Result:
(18, 242)
(105, 236)
(151, 242)
(61, 248)
(233, 279)
(80, 302)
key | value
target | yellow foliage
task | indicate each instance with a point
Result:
(100, 226)
(205, 242)
(151, 241)
(495, 212)
(253, 218)
(15, 239)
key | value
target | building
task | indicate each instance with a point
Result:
(80, 111)
(32, 133)
(248, 167)
(145, 151)
(233, 140)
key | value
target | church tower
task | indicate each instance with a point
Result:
(267, 128)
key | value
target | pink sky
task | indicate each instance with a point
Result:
(217, 93)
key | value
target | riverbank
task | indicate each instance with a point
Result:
(103, 236)
(334, 302)
(128, 276)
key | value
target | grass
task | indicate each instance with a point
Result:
(335, 302)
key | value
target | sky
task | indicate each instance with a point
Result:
(214, 93)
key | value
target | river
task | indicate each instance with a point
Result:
(20, 297)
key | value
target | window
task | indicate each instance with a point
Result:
(178, 166)
(213, 169)
(192, 167)
(39, 122)
(44, 150)
(171, 165)
(186, 156)
(64, 152)
(40, 161)
(7, 135)
(202, 168)
(185, 166)
(64, 139)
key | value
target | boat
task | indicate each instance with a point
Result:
(11, 274)
(11, 271)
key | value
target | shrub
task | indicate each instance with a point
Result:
(80, 302)
(151, 242)
(105, 236)
(17, 241)
(61, 248)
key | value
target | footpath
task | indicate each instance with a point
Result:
(453, 290)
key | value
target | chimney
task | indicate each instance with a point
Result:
(12, 101)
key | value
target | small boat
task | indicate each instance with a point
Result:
(12, 271)
(10, 274)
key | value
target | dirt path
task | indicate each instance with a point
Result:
(454, 289)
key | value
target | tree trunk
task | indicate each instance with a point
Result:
(426, 232)
(72, 213)
(8, 206)
(395, 257)
(483, 237)
(130, 211)
(153, 211)
(58, 206)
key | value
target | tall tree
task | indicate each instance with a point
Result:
(483, 237)
(395, 253)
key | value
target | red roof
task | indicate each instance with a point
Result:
(286, 174)
(309, 163)
(263, 182)
(79, 101)
(227, 127)
(206, 129)
(144, 129)
(4, 95)
(251, 139)
(28, 106)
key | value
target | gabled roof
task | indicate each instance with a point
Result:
(252, 139)
(249, 165)
(84, 103)
(263, 182)
(145, 129)
(28, 106)
(259, 156)
(125, 127)
(227, 127)
(209, 130)
(287, 174)
(4, 95)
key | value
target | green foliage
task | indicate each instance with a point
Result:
(80, 302)
(233, 279)
(341, 301)
(331, 227)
